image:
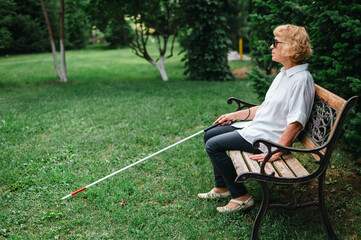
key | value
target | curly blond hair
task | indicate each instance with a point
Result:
(296, 42)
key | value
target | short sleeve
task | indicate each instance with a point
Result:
(300, 100)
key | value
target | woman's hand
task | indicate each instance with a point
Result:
(242, 115)
(226, 119)
(262, 156)
(286, 140)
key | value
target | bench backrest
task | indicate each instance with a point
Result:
(325, 123)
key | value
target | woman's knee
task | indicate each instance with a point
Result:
(211, 146)
(207, 135)
(216, 131)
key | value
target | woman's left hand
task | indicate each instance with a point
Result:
(262, 156)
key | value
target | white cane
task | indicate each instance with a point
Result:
(142, 160)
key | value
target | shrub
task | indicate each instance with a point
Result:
(23, 28)
(336, 37)
(119, 34)
(207, 42)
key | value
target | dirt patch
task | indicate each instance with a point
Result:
(241, 73)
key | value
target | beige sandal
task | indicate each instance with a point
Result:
(213, 195)
(243, 205)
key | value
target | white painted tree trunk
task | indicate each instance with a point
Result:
(53, 49)
(64, 77)
(161, 68)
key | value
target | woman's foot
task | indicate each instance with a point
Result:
(237, 204)
(215, 193)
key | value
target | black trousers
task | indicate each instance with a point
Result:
(217, 141)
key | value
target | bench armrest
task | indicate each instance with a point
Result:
(241, 104)
(280, 148)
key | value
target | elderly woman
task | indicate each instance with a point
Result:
(281, 116)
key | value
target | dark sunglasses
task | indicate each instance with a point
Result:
(275, 42)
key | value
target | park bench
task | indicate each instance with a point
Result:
(319, 139)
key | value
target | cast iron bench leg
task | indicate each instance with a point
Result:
(321, 197)
(262, 210)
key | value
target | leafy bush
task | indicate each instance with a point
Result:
(23, 28)
(261, 82)
(235, 21)
(336, 37)
(335, 32)
(119, 34)
(109, 17)
(237, 26)
(77, 26)
(7, 12)
(207, 42)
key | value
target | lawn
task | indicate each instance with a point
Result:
(56, 138)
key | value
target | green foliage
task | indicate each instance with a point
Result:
(335, 32)
(7, 13)
(260, 81)
(119, 34)
(207, 42)
(157, 15)
(336, 37)
(108, 16)
(77, 26)
(152, 20)
(244, 28)
(235, 22)
(23, 28)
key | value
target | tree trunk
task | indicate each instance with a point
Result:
(62, 47)
(53, 49)
(160, 67)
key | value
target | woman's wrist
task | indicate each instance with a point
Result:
(249, 113)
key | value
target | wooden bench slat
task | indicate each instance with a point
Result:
(238, 162)
(330, 98)
(283, 169)
(253, 165)
(295, 166)
(269, 169)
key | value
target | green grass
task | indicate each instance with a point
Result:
(56, 138)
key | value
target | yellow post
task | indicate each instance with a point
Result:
(241, 48)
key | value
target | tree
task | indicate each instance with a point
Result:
(206, 44)
(157, 19)
(23, 29)
(52, 43)
(7, 13)
(109, 18)
(63, 74)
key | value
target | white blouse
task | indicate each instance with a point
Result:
(289, 99)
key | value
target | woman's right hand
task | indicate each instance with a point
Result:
(226, 119)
